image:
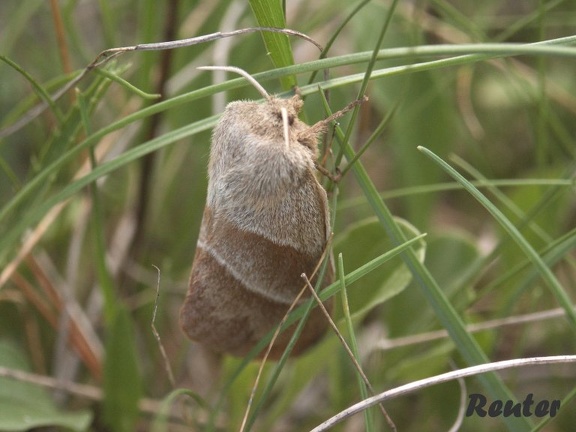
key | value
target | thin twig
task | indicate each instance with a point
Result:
(347, 348)
(265, 358)
(104, 56)
(107, 55)
(157, 336)
(388, 344)
(275, 336)
(82, 390)
(438, 379)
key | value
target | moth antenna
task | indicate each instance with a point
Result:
(284, 112)
(242, 72)
(321, 125)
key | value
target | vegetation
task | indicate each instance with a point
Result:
(467, 137)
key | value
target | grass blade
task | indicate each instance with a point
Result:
(545, 272)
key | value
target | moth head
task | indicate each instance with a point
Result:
(276, 118)
(285, 124)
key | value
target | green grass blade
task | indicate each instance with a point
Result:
(40, 91)
(32, 217)
(269, 13)
(122, 380)
(465, 343)
(545, 272)
(369, 424)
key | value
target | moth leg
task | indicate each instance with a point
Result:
(336, 177)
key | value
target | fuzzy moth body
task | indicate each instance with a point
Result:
(266, 222)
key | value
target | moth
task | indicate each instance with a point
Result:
(266, 221)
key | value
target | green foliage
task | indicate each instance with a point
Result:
(270, 13)
(25, 405)
(361, 243)
(122, 380)
(475, 228)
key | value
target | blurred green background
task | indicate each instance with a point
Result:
(108, 182)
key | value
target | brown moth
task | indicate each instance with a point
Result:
(266, 222)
